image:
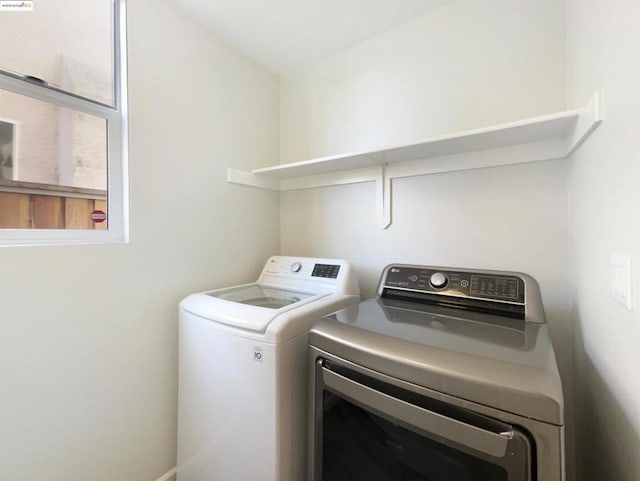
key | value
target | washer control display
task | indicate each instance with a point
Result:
(326, 270)
(457, 283)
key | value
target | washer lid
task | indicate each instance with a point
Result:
(261, 296)
(509, 369)
(250, 306)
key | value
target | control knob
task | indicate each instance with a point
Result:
(438, 280)
(296, 266)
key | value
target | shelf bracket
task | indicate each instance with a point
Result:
(586, 123)
(236, 176)
(383, 198)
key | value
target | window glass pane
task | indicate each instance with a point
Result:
(50, 152)
(7, 149)
(67, 43)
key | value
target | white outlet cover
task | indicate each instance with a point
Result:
(621, 280)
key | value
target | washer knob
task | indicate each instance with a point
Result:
(296, 266)
(438, 280)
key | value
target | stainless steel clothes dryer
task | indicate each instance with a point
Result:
(447, 375)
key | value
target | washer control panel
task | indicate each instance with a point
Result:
(457, 283)
(329, 271)
(301, 267)
(311, 275)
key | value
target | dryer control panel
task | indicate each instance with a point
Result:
(502, 293)
(481, 285)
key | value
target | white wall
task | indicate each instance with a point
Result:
(465, 65)
(603, 52)
(88, 333)
(88, 365)
(468, 64)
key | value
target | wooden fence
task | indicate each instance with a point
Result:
(26, 205)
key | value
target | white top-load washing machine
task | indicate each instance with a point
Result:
(243, 370)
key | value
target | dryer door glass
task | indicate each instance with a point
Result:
(256, 295)
(366, 430)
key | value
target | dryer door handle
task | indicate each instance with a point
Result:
(417, 418)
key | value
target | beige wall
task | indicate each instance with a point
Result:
(88, 333)
(603, 52)
(465, 65)
(88, 361)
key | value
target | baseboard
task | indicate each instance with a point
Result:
(168, 476)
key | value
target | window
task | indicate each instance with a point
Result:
(7, 150)
(63, 138)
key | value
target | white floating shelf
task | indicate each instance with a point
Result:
(540, 138)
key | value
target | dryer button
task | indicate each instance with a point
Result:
(296, 266)
(438, 280)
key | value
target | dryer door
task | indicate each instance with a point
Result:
(368, 429)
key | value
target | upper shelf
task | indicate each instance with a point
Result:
(538, 138)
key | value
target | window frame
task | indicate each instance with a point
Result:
(117, 146)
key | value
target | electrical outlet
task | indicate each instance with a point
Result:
(621, 280)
